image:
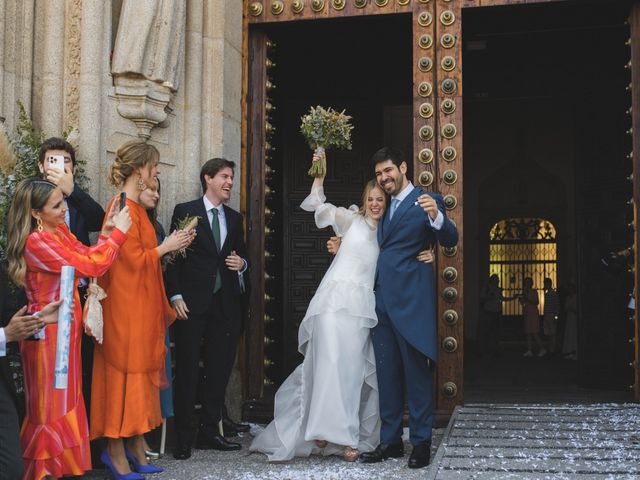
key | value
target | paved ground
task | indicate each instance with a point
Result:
(212, 465)
(556, 442)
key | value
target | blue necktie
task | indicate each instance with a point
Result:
(394, 204)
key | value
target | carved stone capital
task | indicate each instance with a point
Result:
(143, 102)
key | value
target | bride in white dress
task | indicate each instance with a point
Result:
(329, 404)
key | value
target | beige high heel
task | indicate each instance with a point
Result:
(350, 454)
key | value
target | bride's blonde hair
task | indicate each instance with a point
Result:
(31, 194)
(370, 185)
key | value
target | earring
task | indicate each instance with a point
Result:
(141, 185)
(39, 225)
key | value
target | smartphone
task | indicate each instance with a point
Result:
(123, 200)
(56, 162)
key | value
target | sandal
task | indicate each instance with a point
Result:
(350, 454)
(321, 443)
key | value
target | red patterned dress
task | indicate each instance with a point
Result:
(55, 433)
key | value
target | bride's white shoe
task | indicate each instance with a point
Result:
(350, 454)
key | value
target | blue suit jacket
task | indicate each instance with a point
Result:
(405, 286)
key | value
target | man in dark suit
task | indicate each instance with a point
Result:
(13, 329)
(205, 288)
(405, 339)
(85, 214)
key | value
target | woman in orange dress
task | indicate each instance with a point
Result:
(128, 368)
(55, 434)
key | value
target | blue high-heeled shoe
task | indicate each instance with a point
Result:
(106, 459)
(140, 468)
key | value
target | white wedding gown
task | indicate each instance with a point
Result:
(333, 394)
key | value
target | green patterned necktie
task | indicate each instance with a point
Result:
(215, 228)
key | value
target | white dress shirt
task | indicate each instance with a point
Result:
(222, 221)
(3, 343)
(437, 223)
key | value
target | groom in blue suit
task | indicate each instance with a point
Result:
(405, 338)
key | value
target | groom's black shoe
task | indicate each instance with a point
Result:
(382, 452)
(214, 441)
(231, 428)
(182, 452)
(420, 455)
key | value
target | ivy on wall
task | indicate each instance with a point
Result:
(19, 160)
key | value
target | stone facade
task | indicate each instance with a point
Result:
(57, 59)
(182, 92)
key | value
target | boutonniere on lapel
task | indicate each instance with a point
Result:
(187, 223)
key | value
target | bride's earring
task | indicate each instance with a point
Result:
(39, 225)
(141, 185)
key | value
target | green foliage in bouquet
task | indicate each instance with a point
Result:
(189, 222)
(19, 160)
(323, 129)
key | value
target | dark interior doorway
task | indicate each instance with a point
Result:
(362, 65)
(545, 100)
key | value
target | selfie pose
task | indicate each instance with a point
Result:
(329, 404)
(55, 436)
(128, 368)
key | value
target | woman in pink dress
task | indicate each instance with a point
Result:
(55, 435)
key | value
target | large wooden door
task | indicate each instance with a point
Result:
(435, 95)
(437, 160)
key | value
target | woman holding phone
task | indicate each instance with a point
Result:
(128, 368)
(55, 435)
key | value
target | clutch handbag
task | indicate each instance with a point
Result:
(92, 313)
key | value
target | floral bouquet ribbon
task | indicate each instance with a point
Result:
(323, 129)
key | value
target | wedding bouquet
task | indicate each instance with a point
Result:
(325, 128)
(187, 223)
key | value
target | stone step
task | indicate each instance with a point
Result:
(577, 442)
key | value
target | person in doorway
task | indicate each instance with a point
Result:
(551, 315)
(531, 316)
(491, 299)
(206, 287)
(405, 339)
(570, 341)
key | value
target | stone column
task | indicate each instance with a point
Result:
(53, 68)
(92, 48)
(3, 40)
(222, 84)
(193, 94)
(16, 57)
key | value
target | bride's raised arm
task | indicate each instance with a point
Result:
(326, 214)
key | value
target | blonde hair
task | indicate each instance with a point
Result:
(31, 194)
(132, 156)
(370, 185)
